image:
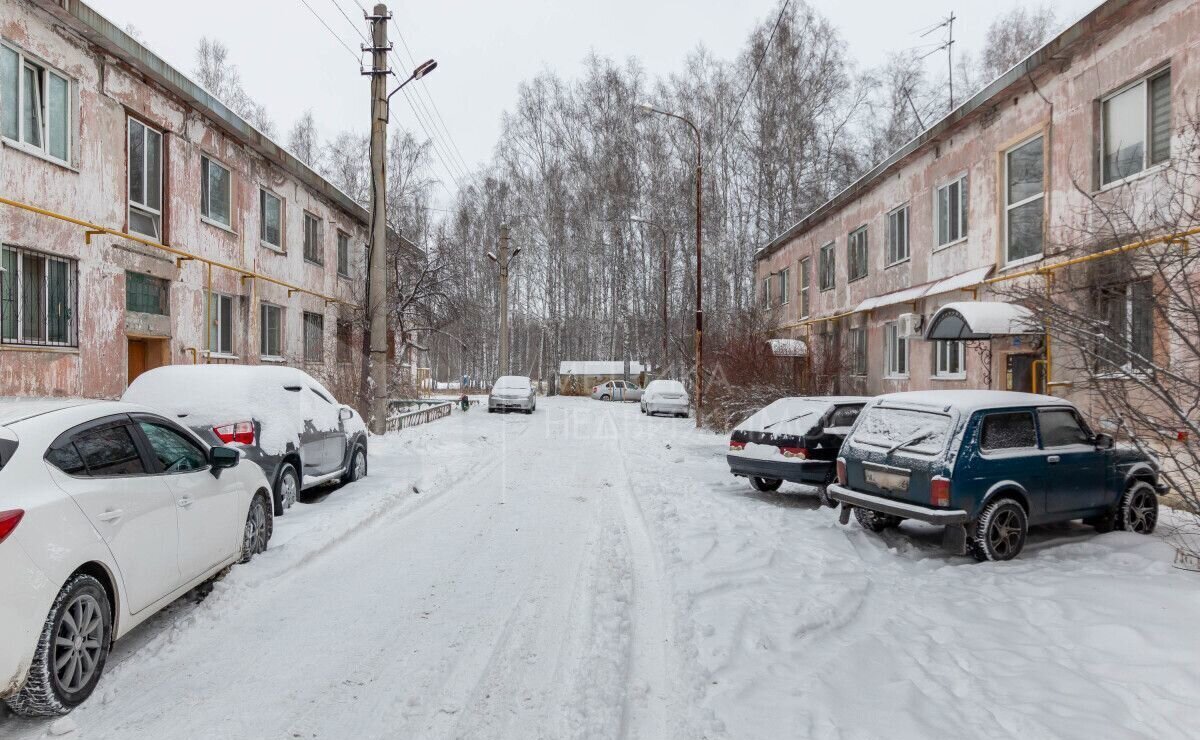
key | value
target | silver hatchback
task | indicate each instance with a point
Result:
(512, 392)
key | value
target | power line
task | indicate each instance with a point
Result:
(357, 57)
(753, 77)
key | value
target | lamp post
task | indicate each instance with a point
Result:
(699, 261)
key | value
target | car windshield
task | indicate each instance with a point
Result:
(513, 383)
(911, 430)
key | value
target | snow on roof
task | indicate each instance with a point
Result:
(962, 280)
(980, 320)
(788, 347)
(599, 367)
(969, 400)
(793, 415)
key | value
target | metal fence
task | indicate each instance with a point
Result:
(401, 415)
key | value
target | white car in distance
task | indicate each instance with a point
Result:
(108, 513)
(665, 397)
(512, 392)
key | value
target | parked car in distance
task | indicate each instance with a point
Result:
(987, 465)
(108, 513)
(285, 421)
(793, 439)
(512, 392)
(665, 397)
(617, 390)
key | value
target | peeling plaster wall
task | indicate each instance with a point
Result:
(1139, 39)
(93, 188)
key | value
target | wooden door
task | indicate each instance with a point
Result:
(137, 358)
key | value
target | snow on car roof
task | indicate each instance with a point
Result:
(13, 410)
(970, 400)
(794, 414)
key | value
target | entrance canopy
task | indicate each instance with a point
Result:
(788, 347)
(981, 320)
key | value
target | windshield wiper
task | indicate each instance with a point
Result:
(915, 437)
(785, 421)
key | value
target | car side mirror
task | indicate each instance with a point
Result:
(223, 457)
(1104, 441)
(345, 414)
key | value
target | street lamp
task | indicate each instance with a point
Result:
(422, 69)
(646, 107)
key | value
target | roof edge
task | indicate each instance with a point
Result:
(1039, 58)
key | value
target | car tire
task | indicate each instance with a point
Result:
(765, 485)
(358, 465)
(258, 528)
(874, 521)
(604, 397)
(1138, 510)
(1000, 531)
(287, 488)
(49, 691)
(823, 491)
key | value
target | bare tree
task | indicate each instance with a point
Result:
(304, 141)
(220, 76)
(1012, 36)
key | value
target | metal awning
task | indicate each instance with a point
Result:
(961, 281)
(788, 347)
(981, 320)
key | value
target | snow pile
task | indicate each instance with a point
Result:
(286, 401)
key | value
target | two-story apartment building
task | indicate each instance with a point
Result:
(992, 190)
(236, 251)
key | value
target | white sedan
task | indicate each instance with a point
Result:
(665, 397)
(512, 392)
(108, 513)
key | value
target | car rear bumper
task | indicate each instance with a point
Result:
(850, 497)
(799, 471)
(523, 404)
(667, 407)
(23, 607)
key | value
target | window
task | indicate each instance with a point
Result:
(1127, 341)
(314, 337)
(215, 191)
(897, 235)
(949, 361)
(312, 239)
(1007, 431)
(856, 254)
(858, 350)
(804, 288)
(175, 453)
(270, 219)
(895, 351)
(950, 212)
(109, 451)
(827, 265)
(37, 299)
(220, 324)
(1024, 193)
(784, 274)
(145, 179)
(35, 105)
(146, 294)
(1135, 126)
(343, 257)
(270, 330)
(1061, 427)
(766, 291)
(345, 341)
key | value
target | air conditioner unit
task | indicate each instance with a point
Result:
(908, 325)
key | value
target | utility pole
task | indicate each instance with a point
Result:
(948, 24)
(377, 259)
(503, 261)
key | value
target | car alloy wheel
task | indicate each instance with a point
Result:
(1000, 532)
(604, 397)
(1139, 509)
(360, 465)
(289, 487)
(254, 539)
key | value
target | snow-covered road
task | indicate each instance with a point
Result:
(586, 572)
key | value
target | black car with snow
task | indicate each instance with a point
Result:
(281, 418)
(794, 439)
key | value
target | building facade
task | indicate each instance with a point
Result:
(235, 250)
(993, 191)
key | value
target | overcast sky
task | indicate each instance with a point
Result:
(290, 62)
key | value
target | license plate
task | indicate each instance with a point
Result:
(887, 480)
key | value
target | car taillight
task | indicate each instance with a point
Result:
(736, 445)
(9, 521)
(939, 491)
(241, 432)
(841, 471)
(799, 452)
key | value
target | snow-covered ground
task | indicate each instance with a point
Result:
(586, 572)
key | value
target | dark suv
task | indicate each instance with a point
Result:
(987, 464)
(792, 439)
